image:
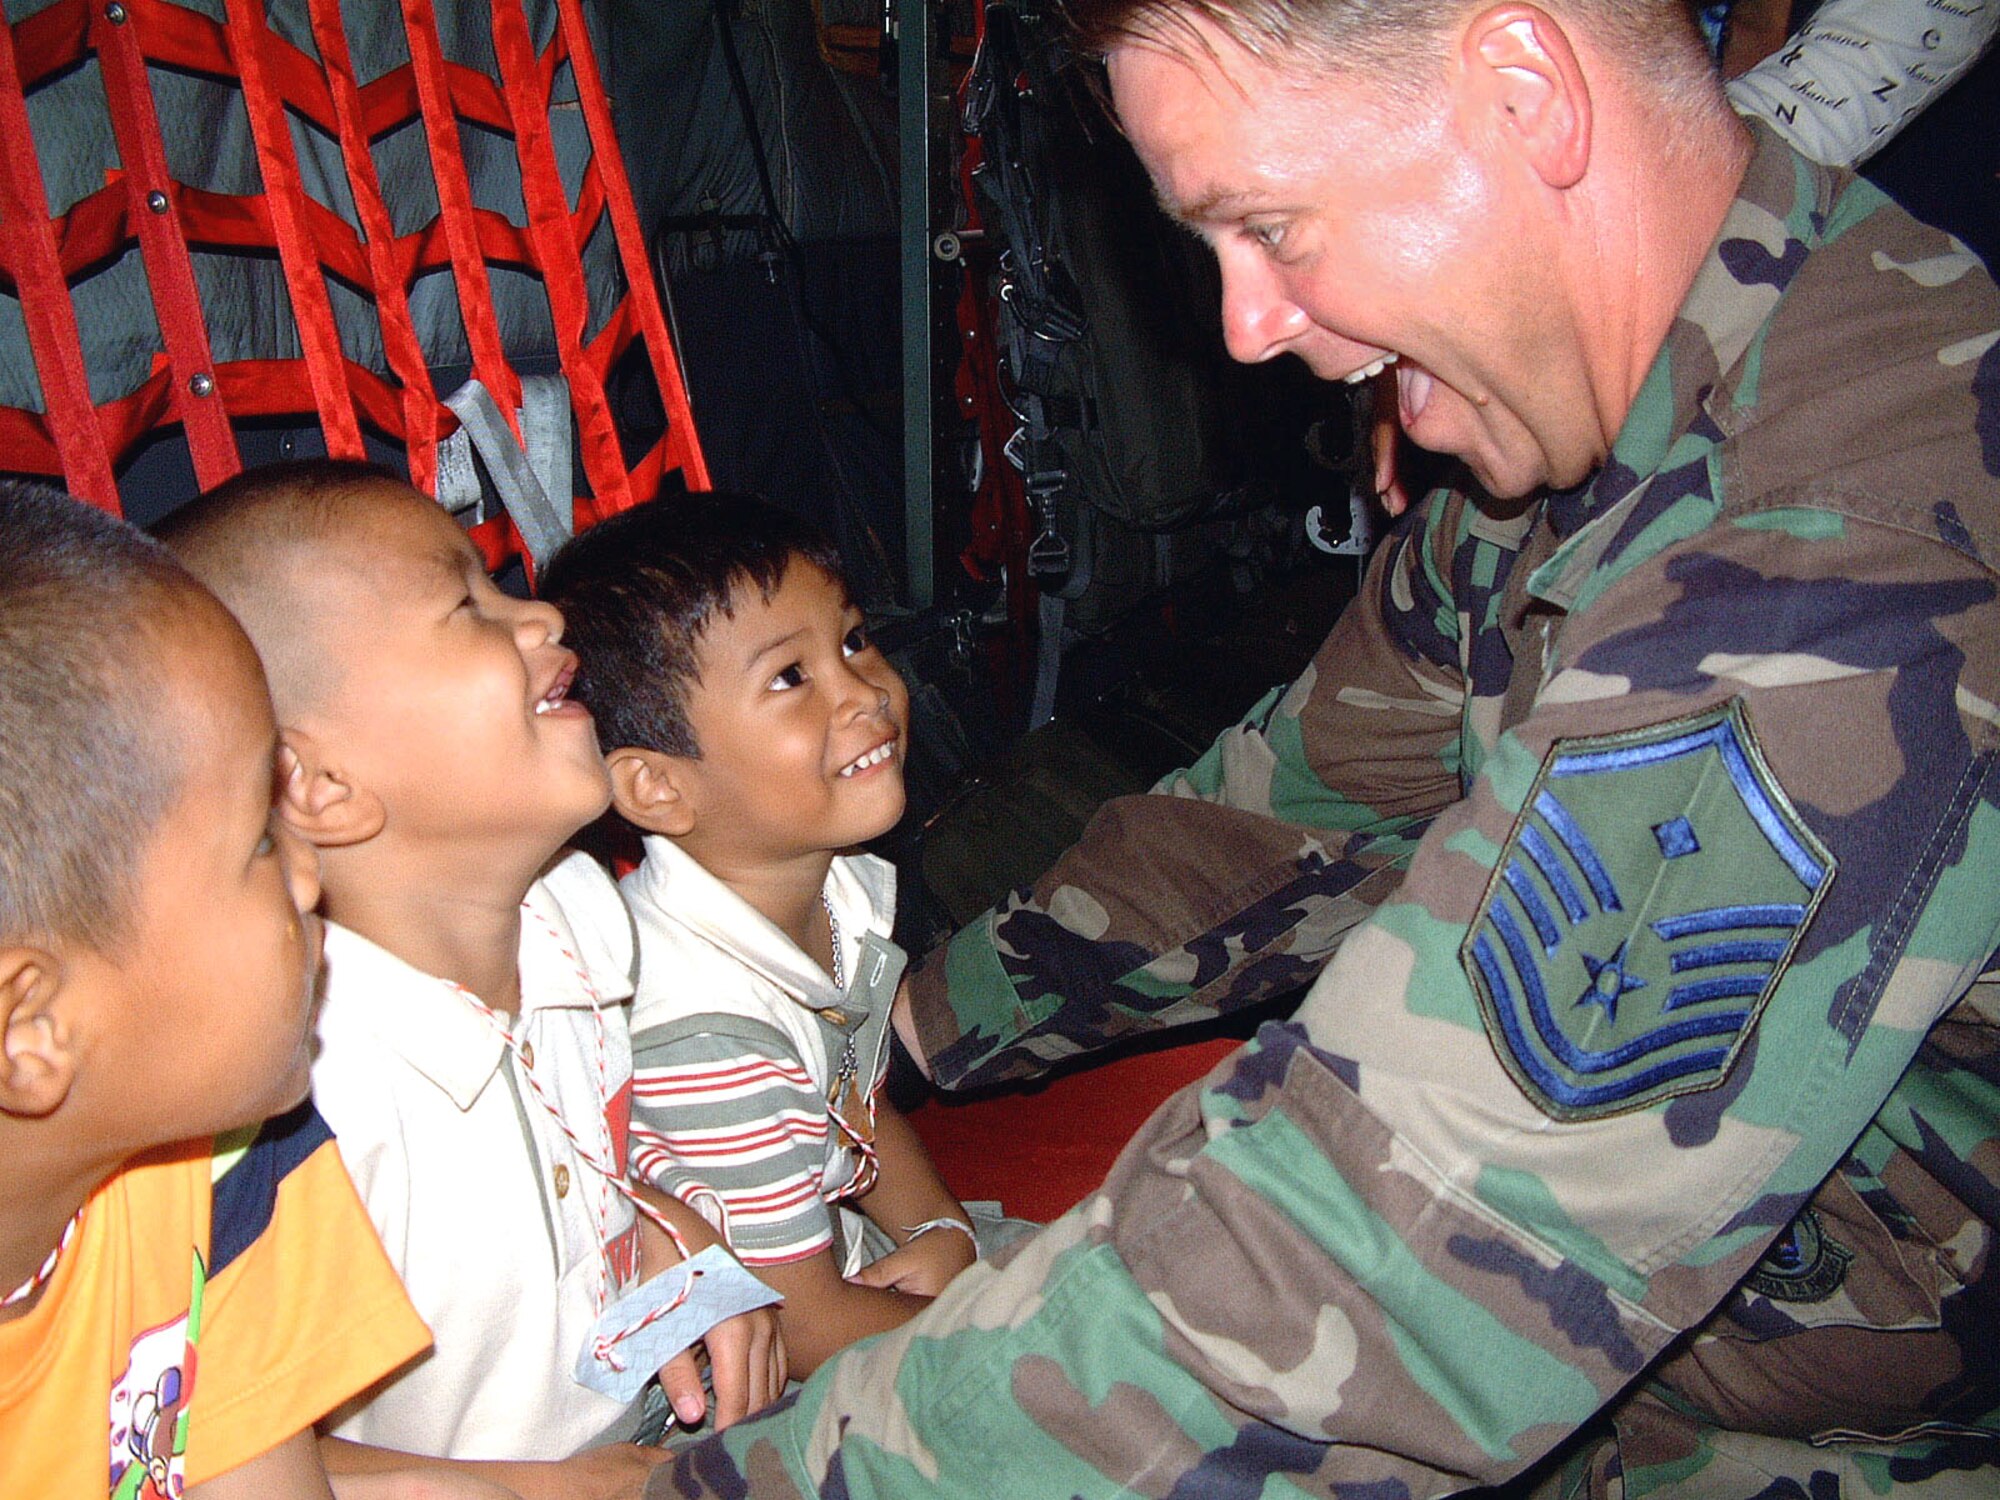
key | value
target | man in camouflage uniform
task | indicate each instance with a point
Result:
(1644, 832)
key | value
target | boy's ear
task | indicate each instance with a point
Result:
(37, 1052)
(319, 802)
(650, 790)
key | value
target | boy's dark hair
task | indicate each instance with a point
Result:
(638, 590)
(86, 769)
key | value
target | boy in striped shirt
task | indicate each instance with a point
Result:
(753, 734)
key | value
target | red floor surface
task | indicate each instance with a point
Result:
(1038, 1152)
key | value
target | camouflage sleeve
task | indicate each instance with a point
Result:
(1407, 1242)
(1233, 880)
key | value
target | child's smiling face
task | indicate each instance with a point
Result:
(449, 696)
(802, 727)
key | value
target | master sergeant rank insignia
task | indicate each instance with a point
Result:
(1646, 903)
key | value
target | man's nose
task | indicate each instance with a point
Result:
(1258, 321)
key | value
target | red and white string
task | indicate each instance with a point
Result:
(47, 1268)
(602, 1347)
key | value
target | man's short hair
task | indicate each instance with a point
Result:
(1399, 43)
(244, 538)
(87, 769)
(638, 590)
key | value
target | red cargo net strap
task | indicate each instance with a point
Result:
(170, 223)
(29, 255)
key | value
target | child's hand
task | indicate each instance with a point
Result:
(923, 1267)
(746, 1353)
(746, 1358)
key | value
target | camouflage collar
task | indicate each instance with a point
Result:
(1705, 375)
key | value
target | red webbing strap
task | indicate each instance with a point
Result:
(135, 124)
(281, 387)
(24, 438)
(50, 41)
(284, 197)
(394, 99)
(683, 449)
(386, 276)
(493, 239)
(557, 252)
(456, 210)
(28, 247)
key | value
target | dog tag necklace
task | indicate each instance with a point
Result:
(853, 1112)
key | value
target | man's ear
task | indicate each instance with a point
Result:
(1523, 75)
(319, 802)
(651, 790)
(37, 1049)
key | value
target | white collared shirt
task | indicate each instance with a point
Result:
(508, 1242)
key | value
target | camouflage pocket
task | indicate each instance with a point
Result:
(1840, 1265)
(1837, 1330)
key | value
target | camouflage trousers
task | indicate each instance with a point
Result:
(1657, 1451)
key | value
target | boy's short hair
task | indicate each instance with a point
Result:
(638, 590)
(297, 499)
(243, 539)
(86, 767)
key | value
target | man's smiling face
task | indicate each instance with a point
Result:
(1355, 230)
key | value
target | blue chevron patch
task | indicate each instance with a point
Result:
(1646, 903)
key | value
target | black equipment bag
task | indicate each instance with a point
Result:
(1106, 310)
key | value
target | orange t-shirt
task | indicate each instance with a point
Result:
(217, 1298)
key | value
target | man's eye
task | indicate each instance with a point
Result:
(267, 845)
(854, 642)
(792, 676)
(1269, 236)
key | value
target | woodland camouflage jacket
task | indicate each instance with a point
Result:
(1646, 846)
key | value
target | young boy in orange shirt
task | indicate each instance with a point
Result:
(186, 1290)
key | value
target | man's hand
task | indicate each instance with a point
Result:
(906, 1027)
(923, 1266)
(1385, 437)
(1757, 28)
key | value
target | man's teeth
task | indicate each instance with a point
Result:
(552, 702)
(874, 757)
(1369, 372)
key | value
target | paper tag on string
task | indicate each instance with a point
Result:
(623, 1350)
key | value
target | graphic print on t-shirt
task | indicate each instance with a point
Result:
(149, 1404)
